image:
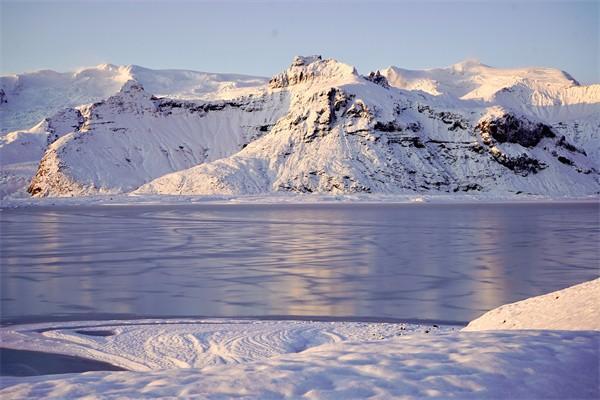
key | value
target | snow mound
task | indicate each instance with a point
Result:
(573, 308)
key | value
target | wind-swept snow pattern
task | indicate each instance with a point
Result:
(574, 308)
(147, 345)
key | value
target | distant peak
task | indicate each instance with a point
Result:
(107, 67)
(132, 87)
(467, 64)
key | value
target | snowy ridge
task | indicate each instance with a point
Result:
(28, 98)
(472, 80)
(320, 127)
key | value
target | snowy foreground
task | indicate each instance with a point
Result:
(558, 357)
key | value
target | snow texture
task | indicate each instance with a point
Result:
(147, 345)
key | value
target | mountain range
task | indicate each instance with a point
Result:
(317, 127)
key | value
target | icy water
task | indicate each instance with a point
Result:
(409, 262)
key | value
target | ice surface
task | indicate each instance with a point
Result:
(433, 261)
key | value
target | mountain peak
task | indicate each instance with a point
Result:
(312, 68)
(132, 87)
(106, 67)
(468, 64)
(299, 61)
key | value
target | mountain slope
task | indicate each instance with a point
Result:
(133, 137)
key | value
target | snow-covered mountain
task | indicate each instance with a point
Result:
(134, 137)
(346, 133)
(321, 127)
(27, 98)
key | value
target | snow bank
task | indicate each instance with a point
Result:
(574, 308)
(461, 365)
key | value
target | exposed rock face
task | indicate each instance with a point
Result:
(511, 129)
(521, 164)
(3, 97)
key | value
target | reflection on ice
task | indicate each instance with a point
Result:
(419, 261)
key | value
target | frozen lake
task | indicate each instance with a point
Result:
(415, 261)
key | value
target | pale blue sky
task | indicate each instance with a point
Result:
(260, 38)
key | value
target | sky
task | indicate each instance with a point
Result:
(261, 38)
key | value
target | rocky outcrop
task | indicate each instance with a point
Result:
(511, 129)
(378, 79)
(311, 69)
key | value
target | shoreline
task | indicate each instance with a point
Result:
(296, 200)
(116, 318)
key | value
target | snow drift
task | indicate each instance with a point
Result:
(573, 308)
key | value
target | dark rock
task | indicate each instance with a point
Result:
(565, 160)
(562, 142)
(378, 79)
(509, 128)
(522, 165)
(390, 126)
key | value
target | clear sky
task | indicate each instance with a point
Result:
(260, 38)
